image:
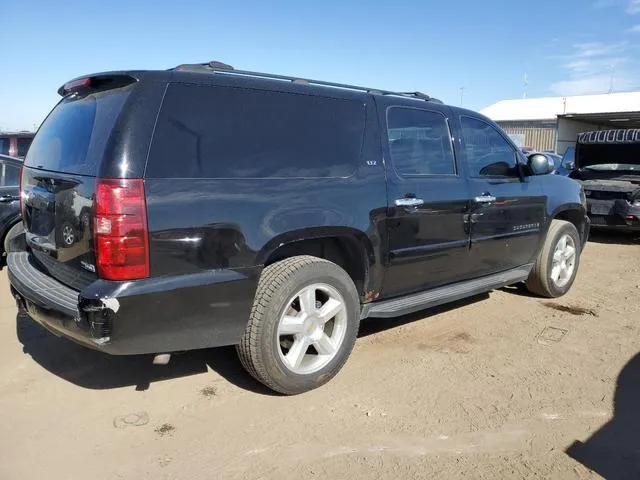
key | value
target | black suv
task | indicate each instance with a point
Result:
(205, 206)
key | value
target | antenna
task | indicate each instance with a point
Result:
(525, 84)
(461, 95)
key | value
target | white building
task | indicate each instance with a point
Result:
(553, 123)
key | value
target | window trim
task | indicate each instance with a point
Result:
(456, 170)
(516, 155)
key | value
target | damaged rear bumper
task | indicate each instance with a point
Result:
(164, 314)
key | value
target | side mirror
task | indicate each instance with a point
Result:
(540, 164)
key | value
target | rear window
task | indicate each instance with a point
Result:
(224, 132)
(5, 145)
(73, 137)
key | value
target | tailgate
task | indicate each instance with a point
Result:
(58, 183)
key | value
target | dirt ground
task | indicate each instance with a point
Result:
(501, 386)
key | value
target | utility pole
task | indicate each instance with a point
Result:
(461, 95)
(613, 76)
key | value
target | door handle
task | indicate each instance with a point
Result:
(485, 198)
(409, 202)
(8, 198)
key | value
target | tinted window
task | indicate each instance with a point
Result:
(4, 146)
(487, 152)
(23, 146)
(419, 142)
(9, 175)
(222, 132)
(73, 137)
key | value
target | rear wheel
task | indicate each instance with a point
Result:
(302, 326)
(557, 263)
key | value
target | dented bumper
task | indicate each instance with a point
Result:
(165, 314)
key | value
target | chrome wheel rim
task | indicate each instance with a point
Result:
(311, 329)
(67, 235)
(564, 261)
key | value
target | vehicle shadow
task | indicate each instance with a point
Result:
(614, 450)
(95, 370)
(618, 238)
(98, 371)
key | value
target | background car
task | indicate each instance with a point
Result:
(15, 144)
(10, 224)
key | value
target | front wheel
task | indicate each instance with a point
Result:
(302, 326)
(557, 264)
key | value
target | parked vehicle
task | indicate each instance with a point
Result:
(272, 213)
(10, 224)
(607, 164)
(15, 144)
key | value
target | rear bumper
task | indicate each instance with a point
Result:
(166, 314)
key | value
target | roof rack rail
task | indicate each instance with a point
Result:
(219, 67)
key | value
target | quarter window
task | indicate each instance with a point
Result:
(225, 132)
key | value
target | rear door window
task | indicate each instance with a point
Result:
(419, 142)
(73, 137)
(225, 132)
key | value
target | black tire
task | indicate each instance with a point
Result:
(13, 232)
(540, 281)
(278, 283)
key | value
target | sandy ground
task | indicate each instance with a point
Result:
(500, 386)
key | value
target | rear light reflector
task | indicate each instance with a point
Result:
(120, 229)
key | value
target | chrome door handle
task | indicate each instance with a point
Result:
(485, 199)
(409, 202)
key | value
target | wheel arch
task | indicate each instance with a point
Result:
(349, 248)
(572, 213)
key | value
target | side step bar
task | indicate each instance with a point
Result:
(449, 293)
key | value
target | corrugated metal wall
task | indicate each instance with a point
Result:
(535, 135)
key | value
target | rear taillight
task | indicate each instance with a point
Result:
(120, 229)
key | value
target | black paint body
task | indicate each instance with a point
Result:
(209, 238)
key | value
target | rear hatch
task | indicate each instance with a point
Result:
(59, 179)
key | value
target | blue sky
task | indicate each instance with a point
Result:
(563, 46)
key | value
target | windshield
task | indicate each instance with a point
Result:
(73, 137)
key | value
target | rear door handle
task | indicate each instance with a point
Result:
(409, 202)
(485, 198)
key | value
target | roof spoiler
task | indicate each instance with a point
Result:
(95, 83)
